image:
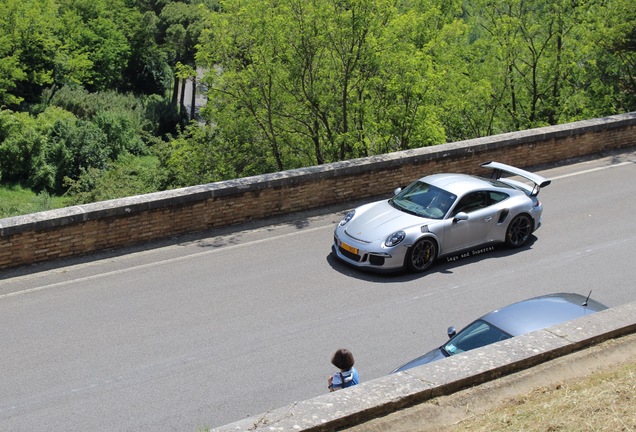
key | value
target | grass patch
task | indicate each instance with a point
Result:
(600, 402)
(16, 201)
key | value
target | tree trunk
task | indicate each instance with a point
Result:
(194, 97)
(175, 91)
(182, 95)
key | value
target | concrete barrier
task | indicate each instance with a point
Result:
(385, 395)
(134, 220)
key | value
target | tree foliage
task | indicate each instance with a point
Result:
(322, 81)
(92, 91)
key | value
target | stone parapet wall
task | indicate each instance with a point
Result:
(134, 220)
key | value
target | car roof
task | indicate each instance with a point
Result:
(541, 312)
(457, 184)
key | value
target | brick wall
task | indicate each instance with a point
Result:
(123, 222)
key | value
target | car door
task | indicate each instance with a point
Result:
(464, 234)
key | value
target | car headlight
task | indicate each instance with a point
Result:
(395, 238)
(347, 218)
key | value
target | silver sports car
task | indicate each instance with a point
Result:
(509, 321)
(440, 215)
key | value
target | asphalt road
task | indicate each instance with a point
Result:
(202, 331)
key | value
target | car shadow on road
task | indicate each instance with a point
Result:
(444, 265)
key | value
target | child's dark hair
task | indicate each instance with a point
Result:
(343, 359)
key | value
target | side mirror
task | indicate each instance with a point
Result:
(451, 332)
(397, 191)
(461, 216)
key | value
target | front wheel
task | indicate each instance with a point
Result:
(519, 231)
(421, 255)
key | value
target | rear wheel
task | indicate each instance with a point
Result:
(421, 255)
(519, 231)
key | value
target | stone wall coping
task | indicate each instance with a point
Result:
(384, 395)
(177, 197)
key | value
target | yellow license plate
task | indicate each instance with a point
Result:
(349, 248)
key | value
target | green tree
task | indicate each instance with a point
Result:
(148, 71)
(52, 43)
(202, 155)
(417, 75)
(96, 34)
(607, 82)
(181, 22)
(11, 70)
(10, 75)
(24, 150)
(27, 49)
(323, 81)
(543, 59)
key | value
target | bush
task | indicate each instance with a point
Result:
(128, 176)
(121, 135)
(24, 152)
(76, 147)
(162, 117)
(88, 146)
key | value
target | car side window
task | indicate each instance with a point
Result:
(478, 200)
(495, 197)
(471, 202)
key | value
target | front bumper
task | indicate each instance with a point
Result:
(369, 256)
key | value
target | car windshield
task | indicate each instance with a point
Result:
(425, 200)
(478, 334)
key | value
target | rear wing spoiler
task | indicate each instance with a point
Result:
(500, 168)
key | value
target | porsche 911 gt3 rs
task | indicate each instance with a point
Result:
(440, 215)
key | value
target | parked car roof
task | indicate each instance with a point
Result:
(513, 320)
(541, 312)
